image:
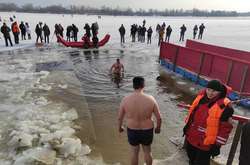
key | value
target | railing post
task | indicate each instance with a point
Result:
(200, 66)
(175, 58)
(234, 144)
(211, 66)
(229, 72)
(243, 78)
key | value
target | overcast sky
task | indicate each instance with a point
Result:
(237, 5)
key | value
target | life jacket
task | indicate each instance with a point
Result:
(15, 28)
(213, 119)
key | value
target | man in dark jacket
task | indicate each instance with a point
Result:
(149, 31)
(122, 33)
(245, 145)
(168, 33)
(69, 32)
(75, 31)
(46, 33)
(95, 41)
(23, 30)
(38, 31)
(195, 29)
(133, 31)
(94, 28)
(201, 30)
(183, 30)
(6, 34)
(87, 29)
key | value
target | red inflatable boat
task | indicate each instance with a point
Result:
(81, 43)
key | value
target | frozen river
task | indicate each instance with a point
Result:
(53, 99)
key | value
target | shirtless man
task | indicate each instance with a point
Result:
(117, 67)
(138, 109)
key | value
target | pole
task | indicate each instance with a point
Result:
(234, 144)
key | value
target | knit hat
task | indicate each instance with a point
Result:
(215, 85)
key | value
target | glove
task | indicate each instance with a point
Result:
(215, 150)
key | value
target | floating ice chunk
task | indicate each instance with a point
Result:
(63, 133)
(58, 126)
(32, 128)
(41, 101)
(45, 87)
(85, 149)
(70, 115)
(53, 119)
(6, 77)
(5, 162)
(20, 139)
(43, 74)
(63, 86)
(37, 155)
(72, 147)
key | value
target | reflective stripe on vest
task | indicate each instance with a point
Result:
(213, 120)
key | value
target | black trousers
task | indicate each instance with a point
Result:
(6, 41)
(16, 38)
(245, 145)
(181, 37)
(122, 39)
(46, 39)
(39, 36)
(197, 156)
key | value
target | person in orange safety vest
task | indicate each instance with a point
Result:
(208, 123)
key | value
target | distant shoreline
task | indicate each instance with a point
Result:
(103, 14)
(86, 10)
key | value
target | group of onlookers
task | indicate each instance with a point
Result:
(43, 32)
(86, 38)
(71, 32)
(16, 29)
(161, 30)
(141, 31)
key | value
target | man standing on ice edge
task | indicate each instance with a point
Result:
(138, 109)
(207, 124)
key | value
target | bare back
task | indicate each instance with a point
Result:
(138, 108)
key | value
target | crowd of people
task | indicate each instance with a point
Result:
(43, 32)
(22, 28)
(141, 32)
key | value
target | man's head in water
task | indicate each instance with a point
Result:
(138, 82)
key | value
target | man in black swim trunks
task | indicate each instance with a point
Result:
(138, 109)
